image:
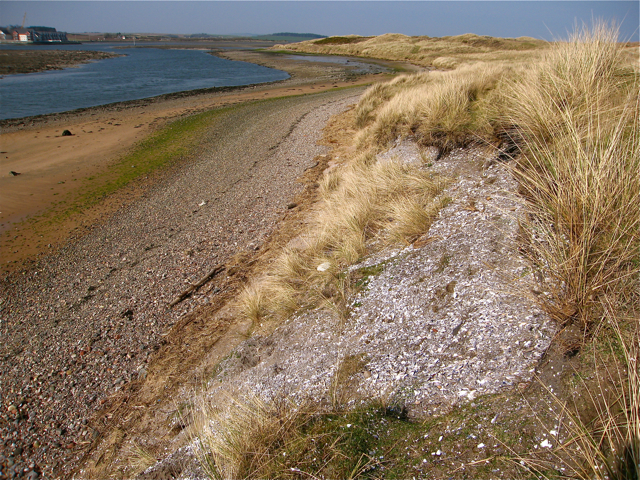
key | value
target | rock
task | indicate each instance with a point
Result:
(291, 205)
(14, 174)
(67, 133)
(323, 267)
(451, 286)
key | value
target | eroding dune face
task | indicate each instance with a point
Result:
(447, 319)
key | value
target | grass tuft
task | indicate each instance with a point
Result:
(606, 443)
(577, 122)
(363, 203)
(441, 109)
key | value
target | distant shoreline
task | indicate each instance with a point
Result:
(15, 62)
(118, 106)
(273, 60)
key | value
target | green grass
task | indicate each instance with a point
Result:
(340, 40)
(364, 274)
(375, 440)
(162, 150)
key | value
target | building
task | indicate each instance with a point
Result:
(47, 35)
(21, 35)
(35, 34)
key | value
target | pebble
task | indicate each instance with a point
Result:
(472, 344)
(67, 314)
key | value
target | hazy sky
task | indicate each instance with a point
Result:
(541, 19)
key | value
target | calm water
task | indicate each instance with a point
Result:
(142, 73)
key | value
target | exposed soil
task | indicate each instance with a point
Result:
(30, 61)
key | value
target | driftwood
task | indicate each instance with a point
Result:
(194, 286)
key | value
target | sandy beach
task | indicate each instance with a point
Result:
(52, 168)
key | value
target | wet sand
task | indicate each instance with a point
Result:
(52, 167)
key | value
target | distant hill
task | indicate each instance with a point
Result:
(289, 37)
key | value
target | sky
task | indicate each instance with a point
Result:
(540, 18)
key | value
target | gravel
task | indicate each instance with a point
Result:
(439, 323)
(448, 319)
(77, 326)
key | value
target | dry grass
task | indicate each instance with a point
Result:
(140, 458)
(444, 52)
(248, 438)
(606, 444)
(576, 118)
(442, 109)
(364, 202)
(278, 440)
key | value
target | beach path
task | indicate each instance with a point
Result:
(83, 328)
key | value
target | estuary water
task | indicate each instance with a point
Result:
(141, 73)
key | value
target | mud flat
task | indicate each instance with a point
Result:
(31, 61)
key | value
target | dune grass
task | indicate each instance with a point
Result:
(576, 120)
(443, 52)
(385, 202)
(441, 109)
(602, 441)
(570, 123)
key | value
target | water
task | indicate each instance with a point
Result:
(142, 73)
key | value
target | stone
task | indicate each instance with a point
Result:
(67, 133)
(323, 267)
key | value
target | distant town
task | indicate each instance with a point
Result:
(34, 34)
(50, 35)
